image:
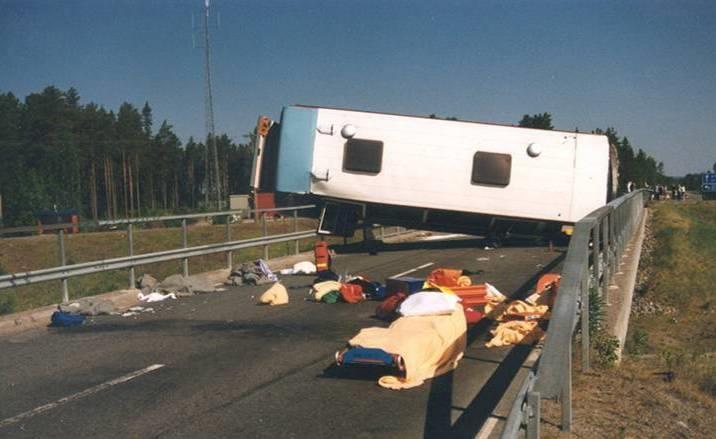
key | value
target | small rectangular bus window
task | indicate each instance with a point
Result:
(363, 156)
(491, 168)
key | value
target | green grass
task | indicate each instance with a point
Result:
(36, 252)
(682, 275)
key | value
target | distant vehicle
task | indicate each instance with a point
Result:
(52, 217)
(708, 186)
(432, 174)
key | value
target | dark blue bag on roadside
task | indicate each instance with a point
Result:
(65, 319)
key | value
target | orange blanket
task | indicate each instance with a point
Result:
(430, 346)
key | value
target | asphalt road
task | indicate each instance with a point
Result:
(217, 365)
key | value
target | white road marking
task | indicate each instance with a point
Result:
(413, 269)
(487, 428)
(79, 395)
(443, 237)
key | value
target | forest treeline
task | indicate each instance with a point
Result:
(59, 153)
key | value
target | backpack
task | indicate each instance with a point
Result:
(352, 293)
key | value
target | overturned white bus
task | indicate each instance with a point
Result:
(431, 174)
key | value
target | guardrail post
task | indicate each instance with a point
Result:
(264, 228)
(533, 415)
(185, 244)
(566, 394)
(607, 261)
(596, 262)
(295, 229)
(584, 289)
(130, 243)
(229, 254)
(63, 262)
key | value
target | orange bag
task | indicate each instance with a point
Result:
(322, 256)
(352, 293)
(446, 277)
(549, 280)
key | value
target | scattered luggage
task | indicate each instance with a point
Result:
(428, 346)
(428, 303)
(352, 293)
(303, 267)
(320, 289)
(252, 273)
(324, 275)
(65, 319)
(446, 277)
(322, 255)
(371, 290)
(405, 284)
(331, 297)
(387, 310)
(358, 356)
(276, 295)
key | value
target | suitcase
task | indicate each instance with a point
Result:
(358, 356)
(472, 296)
(406, 284)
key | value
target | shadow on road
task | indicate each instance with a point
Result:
(440, 402)
(468, 242)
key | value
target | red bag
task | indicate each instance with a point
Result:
(386, 309)
(352, 293)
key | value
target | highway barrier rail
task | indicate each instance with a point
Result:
(594, 252)
(64, 271)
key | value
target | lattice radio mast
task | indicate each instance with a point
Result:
(213, 177)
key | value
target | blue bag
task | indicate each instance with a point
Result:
(65, 319)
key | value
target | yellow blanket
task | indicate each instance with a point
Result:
(516, 309)
(276, 295)
(515, 332)
(430, 346)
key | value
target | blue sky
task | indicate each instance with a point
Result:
(647, 68)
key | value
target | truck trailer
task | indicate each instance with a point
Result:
(432, 174)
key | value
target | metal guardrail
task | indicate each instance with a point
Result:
(84, 268)
(608, 228)
(36, 228)
(64, 271)
(243, 212)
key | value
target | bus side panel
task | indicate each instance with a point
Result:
(428, 163)
(590, 176)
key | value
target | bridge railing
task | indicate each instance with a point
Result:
(595, 249)
(64, 271)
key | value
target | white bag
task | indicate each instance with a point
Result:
(428, 303)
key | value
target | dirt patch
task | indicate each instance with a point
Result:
(634, 400)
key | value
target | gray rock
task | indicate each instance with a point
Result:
(89, 307)
(147, 281)
(177, 284)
